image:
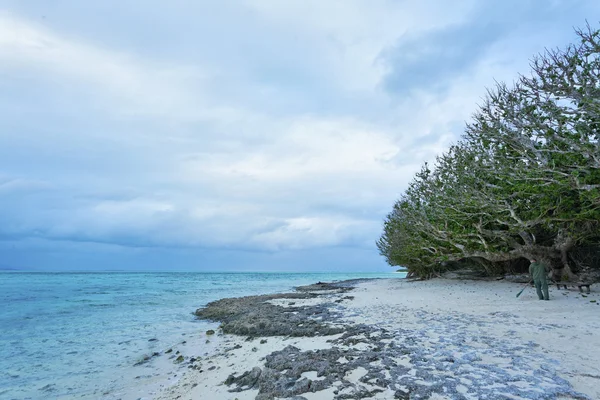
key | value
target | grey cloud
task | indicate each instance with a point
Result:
(42, 254)
(430, 61)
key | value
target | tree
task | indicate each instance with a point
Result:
(524, 181)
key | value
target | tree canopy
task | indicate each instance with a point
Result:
(522, 182)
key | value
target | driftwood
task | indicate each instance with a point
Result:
(580, 285)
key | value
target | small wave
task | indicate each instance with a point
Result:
(26, 298)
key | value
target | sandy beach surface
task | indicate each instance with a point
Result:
(399, 339)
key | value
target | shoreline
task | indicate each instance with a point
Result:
(392, 338)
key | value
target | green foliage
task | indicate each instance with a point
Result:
(523, 181)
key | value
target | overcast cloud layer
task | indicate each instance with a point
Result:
(238, 135)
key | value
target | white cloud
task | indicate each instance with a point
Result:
(350, 35)
(127, 84)
(304, 147)
(311, 232)
(198, 152)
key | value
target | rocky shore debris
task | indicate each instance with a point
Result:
(409, 366)
(449, 355)
(146, 357)
(257, 316)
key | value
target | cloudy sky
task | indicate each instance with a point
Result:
(238, 135)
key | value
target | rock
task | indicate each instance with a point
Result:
(146, 358)
(248, 380)
(48, 388)
(254, 316)
(339, 287)
(179, 360)
(345, 298)
(210, 332)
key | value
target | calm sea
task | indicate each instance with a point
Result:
(78, 335)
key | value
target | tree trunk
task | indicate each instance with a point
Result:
(564, 244)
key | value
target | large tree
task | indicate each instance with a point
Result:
(524, 181)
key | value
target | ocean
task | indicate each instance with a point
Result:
(80, 335)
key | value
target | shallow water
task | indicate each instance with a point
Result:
(65, 335)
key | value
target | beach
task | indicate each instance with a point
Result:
(393, 339)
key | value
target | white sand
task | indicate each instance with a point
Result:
(563, 332)
(573, 340)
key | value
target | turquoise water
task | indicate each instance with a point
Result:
(67, 335)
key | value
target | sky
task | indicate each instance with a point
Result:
(248, 135)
